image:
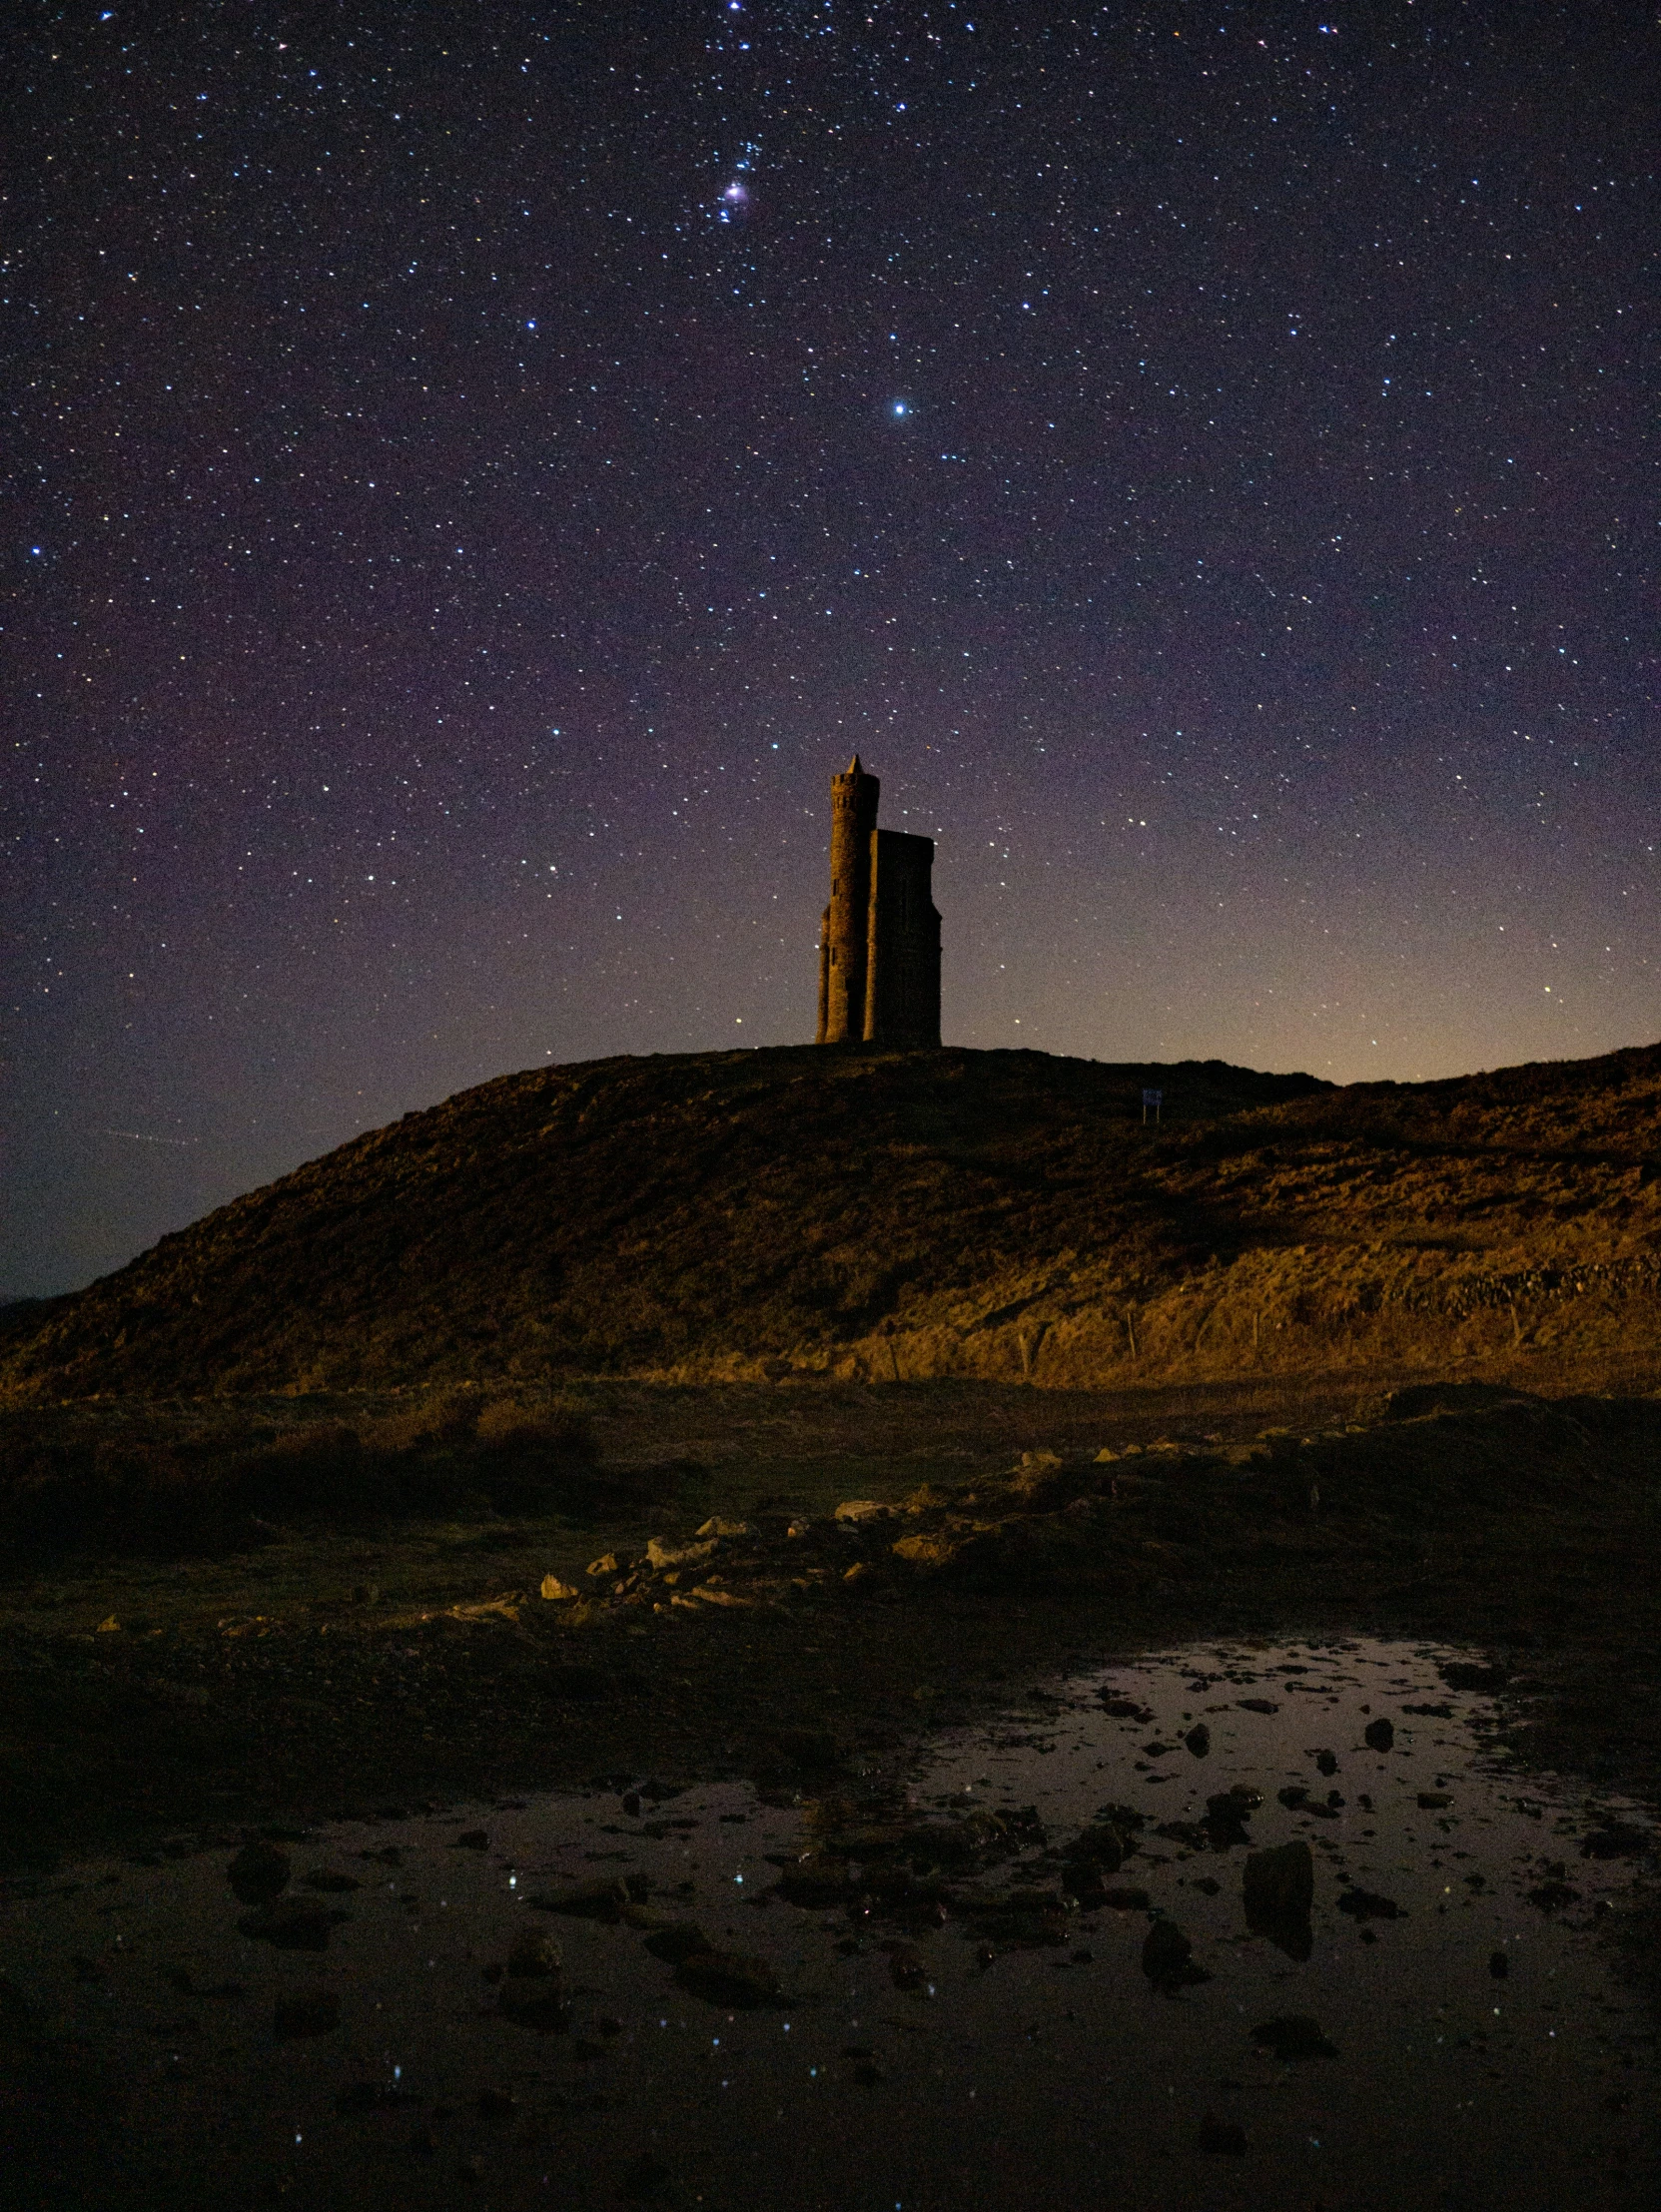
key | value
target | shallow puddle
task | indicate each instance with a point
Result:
(1218, 1928)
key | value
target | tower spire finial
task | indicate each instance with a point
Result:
(854, 769)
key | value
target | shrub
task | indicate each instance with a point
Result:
(561, 1429)
(444, 1418)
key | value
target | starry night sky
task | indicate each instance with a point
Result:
(478, 471)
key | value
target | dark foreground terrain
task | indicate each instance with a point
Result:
(749, 1418)
(303, 1667)
(868, 1216)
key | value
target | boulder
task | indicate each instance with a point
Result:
(1279, 1884)
(1168, 1958)
(259, 1873)
(535, 1956)
(1279, 1887)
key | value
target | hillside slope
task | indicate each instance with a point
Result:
(895, 1215)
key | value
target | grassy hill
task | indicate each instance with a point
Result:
(896, 1215)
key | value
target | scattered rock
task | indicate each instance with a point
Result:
(1278, 1887)
(1279, 1884)
(311, 2012)
(1226, 1814)
(855, 1512)
(729, 1977)
(259, 1873)
(535, 1956)
(559, 1592)
(940, 1548)
(606, 1564)
(813, 1748)
(1551, 1896)
(1294, 2035)
(1292, 1795)
(827, 1882)
(857, 1571)
(1257, 1705)
(1616, 1840)
(1104, 1845)
(1366, 1905)
(1168, 1958)
(1199, 1739)
(1326, 1763)
(661, 1555)
(1379, 1736)
(906, 1965)
(1037, 1478)
(1432, 1801)
(719, 1527)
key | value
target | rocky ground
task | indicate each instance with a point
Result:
(839, 1572)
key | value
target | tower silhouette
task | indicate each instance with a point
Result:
(879, 942)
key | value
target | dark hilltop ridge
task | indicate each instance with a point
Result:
(880, 1215)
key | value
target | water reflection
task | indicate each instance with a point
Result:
(1223, 1927)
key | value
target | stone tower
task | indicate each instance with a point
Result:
(879, 942)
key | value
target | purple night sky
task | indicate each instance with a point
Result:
(477, 473)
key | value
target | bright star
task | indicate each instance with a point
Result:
(900, 408)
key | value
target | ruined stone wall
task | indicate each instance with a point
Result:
(902, 989)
